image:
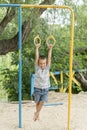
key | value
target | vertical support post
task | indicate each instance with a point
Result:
(70, 67)
(32, 84)
(61, 80)
(20, 65)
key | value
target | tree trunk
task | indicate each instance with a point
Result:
(8, 17)
(9, 45)
(82, 80)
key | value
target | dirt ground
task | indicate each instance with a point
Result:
(51, 118)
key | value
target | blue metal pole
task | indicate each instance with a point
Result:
(54, 104)
(9, 5)
(20, 65)
(32, 84)
(20, 57)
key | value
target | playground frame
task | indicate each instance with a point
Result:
(20, 6)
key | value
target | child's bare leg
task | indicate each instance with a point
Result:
(36, 114)
(38, 109)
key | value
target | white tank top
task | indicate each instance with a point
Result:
(42, 79)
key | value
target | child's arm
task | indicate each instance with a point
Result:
(37, 54)
(49, 54)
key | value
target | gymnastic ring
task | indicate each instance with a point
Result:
(37, 38)
(51, 37)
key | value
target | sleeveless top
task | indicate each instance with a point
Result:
(42, 79)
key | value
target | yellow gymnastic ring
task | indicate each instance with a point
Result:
(37, 38)
(51, 37)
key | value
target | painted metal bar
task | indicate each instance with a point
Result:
(70, 68)
(54, 104)
(67, 71)
(20, 65)
(53, 88)
(61, 78)
(10, 5)
(32, 85)
(45, 6)
(54, 78)
(20, 57)
(56, 72)
(61, 81)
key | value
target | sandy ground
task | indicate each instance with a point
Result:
(51, 118)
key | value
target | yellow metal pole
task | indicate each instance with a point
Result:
(54, 78)
(71, 47)
(45, 6)
(70, 67)
(61, 80)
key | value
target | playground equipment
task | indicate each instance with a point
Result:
(52, 104)
(20, 6)
(37, 40)
(51, 37)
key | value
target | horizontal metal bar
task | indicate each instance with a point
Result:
(58, 72)
(53, 88)
(45, 6)
(10, 5)
(54, 104)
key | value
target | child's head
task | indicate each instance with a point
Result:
(42, 61)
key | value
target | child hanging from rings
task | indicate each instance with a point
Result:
(42, 80)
